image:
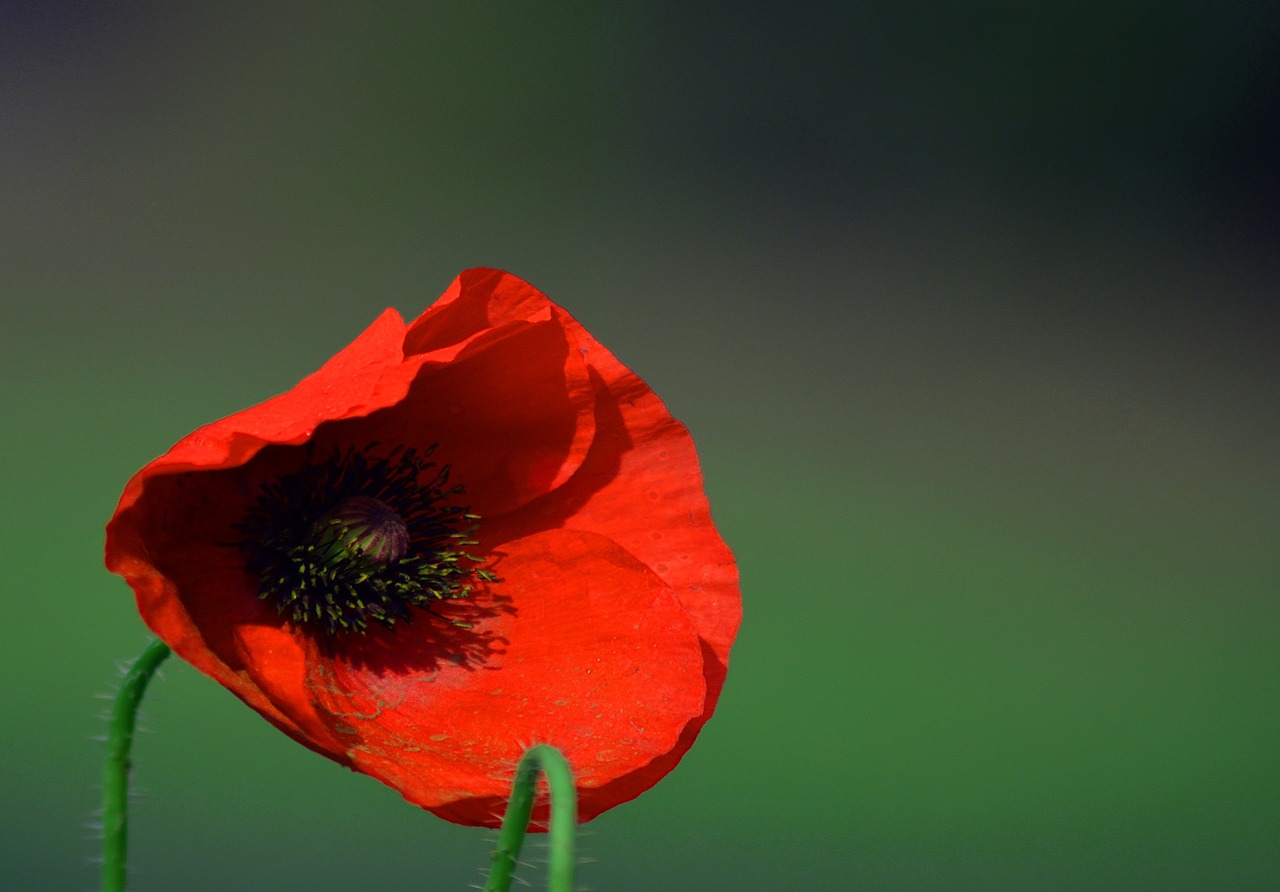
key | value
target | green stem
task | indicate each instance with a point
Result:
(115, 778)
(564, 818)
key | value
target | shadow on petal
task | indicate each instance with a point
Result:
(449, 634)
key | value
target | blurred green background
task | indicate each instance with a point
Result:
(970, 308)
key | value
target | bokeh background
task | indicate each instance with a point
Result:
(969, 306)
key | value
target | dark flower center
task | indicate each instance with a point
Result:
(358, 538)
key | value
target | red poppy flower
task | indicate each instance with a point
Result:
(457, 539)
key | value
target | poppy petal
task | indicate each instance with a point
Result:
(513, 414)
(477, 301)
(640, 484)
(597, 658)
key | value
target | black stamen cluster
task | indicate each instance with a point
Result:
(335, 591)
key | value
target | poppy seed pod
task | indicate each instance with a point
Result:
(363, 528)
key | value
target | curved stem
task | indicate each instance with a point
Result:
(115, 778)
(564, 819)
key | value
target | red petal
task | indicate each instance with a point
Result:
(478, 300)
(276, 663)
(595, 657)
(512, 412)
(640, 485)
(163, 538)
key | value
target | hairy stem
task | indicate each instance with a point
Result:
(564, 820)
(115, 778)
